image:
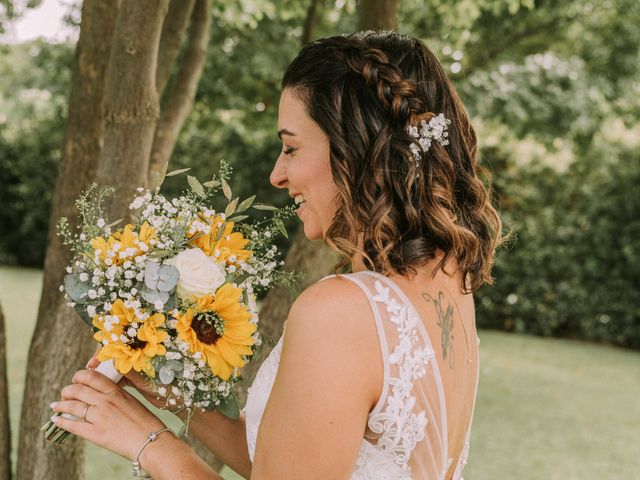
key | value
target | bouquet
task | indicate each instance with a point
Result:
(172, 294)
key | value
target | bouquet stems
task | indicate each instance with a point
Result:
(58, 435)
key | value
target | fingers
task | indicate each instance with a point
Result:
(83, 393)
(77, 427)
(93, 361)
(74, 407)
(95, 380)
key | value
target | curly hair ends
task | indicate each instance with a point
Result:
(364, 90)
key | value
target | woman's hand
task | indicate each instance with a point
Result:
(137, 381)
(114, 419)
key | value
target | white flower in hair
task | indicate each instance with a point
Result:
(426, 132)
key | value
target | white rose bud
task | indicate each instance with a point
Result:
(199, 274)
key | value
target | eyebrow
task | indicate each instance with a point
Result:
(284, 131)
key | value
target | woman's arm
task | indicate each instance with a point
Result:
(329, 377)
(224, 437)
(117, 421)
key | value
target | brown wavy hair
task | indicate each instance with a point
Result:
(363, 90)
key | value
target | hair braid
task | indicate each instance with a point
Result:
(364, 90)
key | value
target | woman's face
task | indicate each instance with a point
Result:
(303, 166)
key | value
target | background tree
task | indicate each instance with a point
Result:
(57, 336)
(110, 133)
(552, 90)
(5, 429)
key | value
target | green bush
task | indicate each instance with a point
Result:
(573, 268)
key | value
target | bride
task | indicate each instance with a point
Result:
(376, 374)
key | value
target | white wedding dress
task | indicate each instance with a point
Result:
(406, 436)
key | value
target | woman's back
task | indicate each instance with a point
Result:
(419, 425)
(448, 318)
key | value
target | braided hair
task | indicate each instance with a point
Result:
(364, 90)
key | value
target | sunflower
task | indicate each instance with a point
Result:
(128, 353)
(124, 243)
(230, 245)
(218, 327)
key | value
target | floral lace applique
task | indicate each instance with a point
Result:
(400, 427)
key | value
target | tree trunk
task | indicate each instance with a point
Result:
(5, 427)
(311, 20)
(173, 30)
(113, 115)
(60, 346)
(131, 101)
(378, 15)
(180, 103)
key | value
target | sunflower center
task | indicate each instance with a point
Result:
(208, 326)
(137, 344)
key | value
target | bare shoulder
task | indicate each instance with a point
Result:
(327, 381)
(331, 322)
(330, 303)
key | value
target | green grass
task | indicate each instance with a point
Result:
(547, 409)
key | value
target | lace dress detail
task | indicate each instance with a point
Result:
(406, 435)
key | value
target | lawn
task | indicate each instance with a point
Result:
(547, 409)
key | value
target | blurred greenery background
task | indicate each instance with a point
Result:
(553, 89)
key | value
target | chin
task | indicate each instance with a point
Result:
(312, 232)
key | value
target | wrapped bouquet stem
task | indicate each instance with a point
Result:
(172, 294)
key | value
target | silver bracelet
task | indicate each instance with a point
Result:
(138, 471)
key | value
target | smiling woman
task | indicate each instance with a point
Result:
(304, 168)
(376, 374)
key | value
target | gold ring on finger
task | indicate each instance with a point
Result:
(84, 415)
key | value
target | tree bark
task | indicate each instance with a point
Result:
(60, 346)
(171, 38)
(131, 101)
(5, 427)
(311, 20)
(180, 103)
(378, 15)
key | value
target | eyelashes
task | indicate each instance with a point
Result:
(288, 151)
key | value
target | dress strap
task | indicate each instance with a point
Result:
(362, 281)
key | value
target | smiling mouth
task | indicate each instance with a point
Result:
(299, 200)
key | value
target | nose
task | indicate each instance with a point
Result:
(278, 177)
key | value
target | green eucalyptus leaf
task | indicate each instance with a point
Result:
(229, 407)
(231, 208)
(237, 218)
(168, 277)
(171, 303)
(175, 365)
(76, 288)
(166, 375)
(196, 186)
(226, 189)
(82, 311)
(113, 224)
(159, 253)
(264, 206)
(153, 296)
(177, 172)
(246, 203)
(280, 226)
(151, 274)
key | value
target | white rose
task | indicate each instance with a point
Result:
(199, 274)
